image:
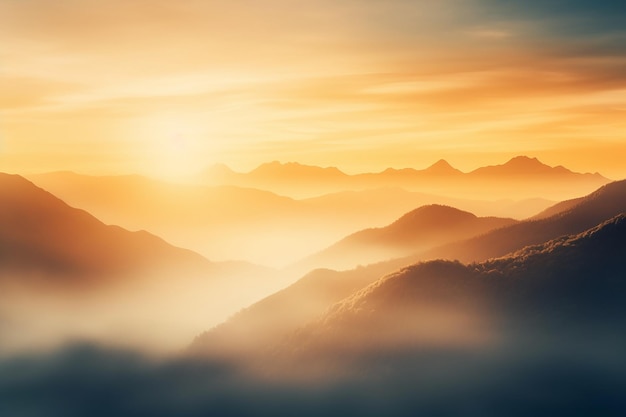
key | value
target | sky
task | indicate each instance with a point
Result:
(168, 88)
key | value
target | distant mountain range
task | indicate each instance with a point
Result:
(306, 299)
(420, 229)
(229, 222)
(531, 177)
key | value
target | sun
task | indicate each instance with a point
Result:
(176, 146)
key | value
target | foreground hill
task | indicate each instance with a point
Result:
(309, 297)
(571, 283)
(418, 230)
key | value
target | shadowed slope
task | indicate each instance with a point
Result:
(573, 282)
(606, 202)
(557, 208)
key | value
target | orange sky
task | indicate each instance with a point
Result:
(169, 87)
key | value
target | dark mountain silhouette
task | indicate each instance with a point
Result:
(260, 324)
(41, 234)
(606, 202)
(420, 229)
(520, 177)
(572, 283)
(557, 208)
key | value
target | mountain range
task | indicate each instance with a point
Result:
(228, 222)
(89, 275)
(307, 298)
(420, 229)
(41, 234)
(569, 218)
(520, 177)
(571, 284)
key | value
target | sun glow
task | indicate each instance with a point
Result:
(175, 145)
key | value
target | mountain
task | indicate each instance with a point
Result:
(525, 166)
(293, 171)
(521, 177)
(557, 208)
(229, 222)
(423, 228)
(377, 205)
(606, 202)
(63, 272)
(291, 178)
(442, 167)
(40, 233)
(307, 298)
(559, 366)
(220, 173)
(219, 222)
(573, 283)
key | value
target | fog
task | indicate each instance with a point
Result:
(157, 311)
(536, 375)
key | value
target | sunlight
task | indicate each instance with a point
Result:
(176, 144)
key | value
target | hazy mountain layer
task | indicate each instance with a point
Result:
(64, 273)
(309, 297)
(520, 177)
(420, 229)
(227, 222)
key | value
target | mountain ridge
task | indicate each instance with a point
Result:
(532, 177)
(560, 282)
(33, 219)
(318, 290)
(426, 226)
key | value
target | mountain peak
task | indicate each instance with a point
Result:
(442, 167)
(294, 169)
(433, 214)
(521, 165)
(219, 170)
(525, 161)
